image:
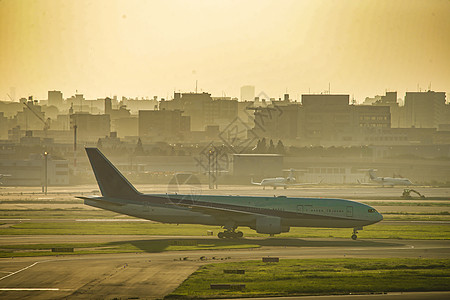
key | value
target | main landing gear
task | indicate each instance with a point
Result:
(230, 234)
(354, 235)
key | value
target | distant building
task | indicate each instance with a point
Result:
(425, 109)
(203, 109)
(90, 127)
(30, 172)
(247, 93)
(55, 98)
(277, 122)
(163, 124)
(31, 117)
(3, 126)
(126, 126)
(326, 119)
(367, 117)
(390, 99)
(136, 105)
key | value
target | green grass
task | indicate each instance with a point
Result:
(319, 277)
(135, 246)
(59, 213)
(377, 231)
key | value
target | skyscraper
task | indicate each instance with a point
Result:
(55, 98)
(247, 93)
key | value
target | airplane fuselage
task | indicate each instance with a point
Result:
(264, 214)
(390, 181)
(269, 215)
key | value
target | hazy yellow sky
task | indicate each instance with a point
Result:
(146, 48)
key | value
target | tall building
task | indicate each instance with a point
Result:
(247, 93)
(277, 122)
(203, 109)
(91, 127)
(390, 99)
(163, 124)
(321, 120)
(425, 109)
(326, 118)
(55, 98)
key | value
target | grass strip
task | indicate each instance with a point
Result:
(376, 231)
(318, 277)
(134, 246)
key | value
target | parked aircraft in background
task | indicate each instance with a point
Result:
(269, 215)
(388, 181)
(283, 182)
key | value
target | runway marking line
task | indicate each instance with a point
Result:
(23, 269)
(29, 289)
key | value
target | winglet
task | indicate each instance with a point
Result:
(110, 181)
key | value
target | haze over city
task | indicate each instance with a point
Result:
(146, 48)
(212, 149)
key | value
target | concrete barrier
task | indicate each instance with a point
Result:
(226, 286)
(270, 259)
(62, 249)
(234, 271)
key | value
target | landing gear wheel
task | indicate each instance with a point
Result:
(355, 232)
(230, 234)
(354, 237)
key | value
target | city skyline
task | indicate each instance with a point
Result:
(147, 48)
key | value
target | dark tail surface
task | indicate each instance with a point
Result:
(110, 181)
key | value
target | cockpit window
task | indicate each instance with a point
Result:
(372, 210)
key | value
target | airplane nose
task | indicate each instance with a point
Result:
(379, 217)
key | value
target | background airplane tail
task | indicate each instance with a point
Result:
(372, 174)
(110, 181)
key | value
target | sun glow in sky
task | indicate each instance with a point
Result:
(146, 48)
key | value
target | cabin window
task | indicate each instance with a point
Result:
(372, 210)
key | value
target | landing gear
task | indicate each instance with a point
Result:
(354, 235)
(230, 234)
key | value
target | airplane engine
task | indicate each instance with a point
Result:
(270, 225)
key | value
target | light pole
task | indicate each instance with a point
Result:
(45, 172)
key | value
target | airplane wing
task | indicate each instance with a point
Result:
(109, 201)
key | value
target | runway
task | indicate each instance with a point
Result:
(146, 275)
(154, 275)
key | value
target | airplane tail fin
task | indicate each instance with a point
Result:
(372, 174)
(110, 181)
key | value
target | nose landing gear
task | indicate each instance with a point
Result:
(355, 232)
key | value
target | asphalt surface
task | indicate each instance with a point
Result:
(154, 275)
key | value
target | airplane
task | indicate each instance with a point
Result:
(266, 215)
(388, 181)
(3, 176)
(281, 181)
